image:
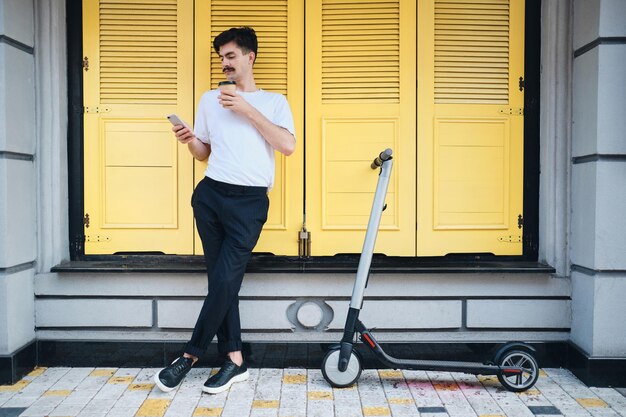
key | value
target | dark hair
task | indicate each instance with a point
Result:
(244, 37)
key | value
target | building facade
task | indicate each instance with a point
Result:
(511, 160)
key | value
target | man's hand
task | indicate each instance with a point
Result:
(278, 137)
(198, 149)
(233, 101)
(183, 134)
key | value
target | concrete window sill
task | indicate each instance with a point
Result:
(264, 263)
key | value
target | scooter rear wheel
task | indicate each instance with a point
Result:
(529, 375)
(336, 378)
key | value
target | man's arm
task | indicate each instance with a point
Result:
(198, 149)
(278, 137)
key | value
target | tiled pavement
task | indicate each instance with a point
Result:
(300, 392)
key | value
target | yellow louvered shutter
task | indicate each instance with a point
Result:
(138, 181)
(470, 127)
(138, 52)
(360, 99)
(361, 52)
(278, 68)
(269, 20)
(471, 52)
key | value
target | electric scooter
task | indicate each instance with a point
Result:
(514, 363)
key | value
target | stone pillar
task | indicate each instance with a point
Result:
(555, 134)
(18, 182)
(51, 122)
(598, 197)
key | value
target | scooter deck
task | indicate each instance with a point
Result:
(475, 368)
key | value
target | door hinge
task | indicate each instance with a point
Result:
(76, 244)
(86, 64)
(520, 221)
(513, 111)
(522, 84)
(86, 220)
(304, 242)
(510, 239)
(96, 109)
(97, 238)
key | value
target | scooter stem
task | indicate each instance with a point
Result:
(370, 236)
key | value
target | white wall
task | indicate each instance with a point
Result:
(408, 307)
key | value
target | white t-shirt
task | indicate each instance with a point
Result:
(239, 154)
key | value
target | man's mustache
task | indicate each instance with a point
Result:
(227, 69)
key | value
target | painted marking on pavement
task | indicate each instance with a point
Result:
(489, 380)
(18, 386)
(294, 379)
(121, 380)
(141, 387)
(376, 411)
(401, 401)
(591, 402)
(57, 393)
(153, 408)
(320, 395)
(530, 392)
(265, 404)
(37, 371)
(203, 411)
(391, 374)
(445, 386)
(102, 372)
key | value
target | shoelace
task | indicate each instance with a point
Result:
(180, 366)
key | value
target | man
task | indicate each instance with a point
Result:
(238, 131)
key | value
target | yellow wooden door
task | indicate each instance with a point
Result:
(470, 126)
(360, 99)
(138, 181)
(278, 68)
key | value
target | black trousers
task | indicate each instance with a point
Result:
(229, 219)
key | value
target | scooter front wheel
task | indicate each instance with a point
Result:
(332, 374)
(524, 380)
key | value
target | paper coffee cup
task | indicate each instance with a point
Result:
(227, 86)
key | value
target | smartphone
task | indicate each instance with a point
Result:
(175, 120)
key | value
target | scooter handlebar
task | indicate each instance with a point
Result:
(384, 156)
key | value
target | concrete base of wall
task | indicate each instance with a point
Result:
(269, 355)
(597, 372)
(13, 367)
